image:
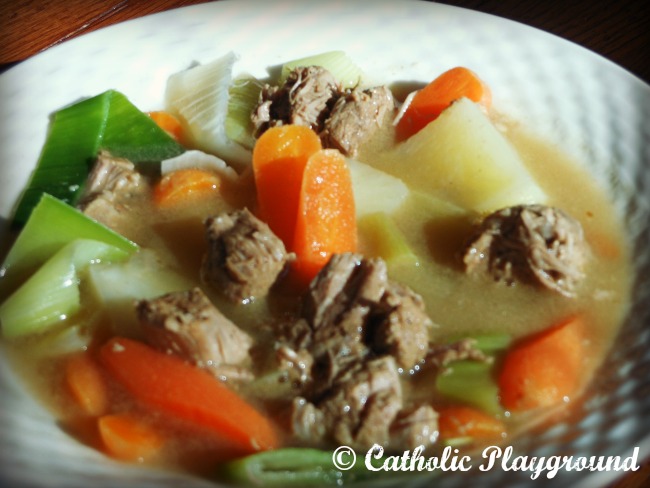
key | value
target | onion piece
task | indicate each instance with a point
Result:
(199, 97)
(198, 159)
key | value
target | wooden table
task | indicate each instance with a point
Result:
(618, 30)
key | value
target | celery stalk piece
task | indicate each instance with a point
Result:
(51, 225)
(51, 294)
(244, 97)
(199, 97)
(285, 468)
(115, 287)
(77, 132)
(346, 72)
(471, 383)
(385, 240)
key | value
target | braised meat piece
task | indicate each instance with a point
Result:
(358, 410)
(402, 325)
(110, 184)
(355, 117)
(244, 257)
(338, 306)
(189, 325)
(532, 244)
(440, 355)
(304, 99)
(415, 426)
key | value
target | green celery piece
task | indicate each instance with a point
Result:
(51, 225)
(51, 294)
(244, 97)
(284, 468)
(490, 343)
(472, 383)
(76, 134)
(344, 70)
(385, 239)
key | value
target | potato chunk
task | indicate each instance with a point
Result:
(462, 157)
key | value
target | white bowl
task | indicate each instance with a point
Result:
(594, 110)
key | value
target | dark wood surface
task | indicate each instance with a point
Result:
(617, 30)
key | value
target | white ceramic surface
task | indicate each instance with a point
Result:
(595, 110)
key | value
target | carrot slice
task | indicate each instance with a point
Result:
(86, 383)
(462, 421)
(430, 101)
(279, 159)
(129, 438)
(168, 384)
(169, 123)
(326, 222)
(184, 184)
(542, 370)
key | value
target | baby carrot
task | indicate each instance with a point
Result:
(542, 370)
(184, 184)
(86, 383)
(430, 101)
(179, 389)
(326, 221)
(460, 421)
(169, 123)
(129, 438)
(279, 159)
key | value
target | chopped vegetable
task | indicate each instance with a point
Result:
(344, 70)
(545, 369)
(472, 383)
(52, 225)
(461, 157)
(199, 97)
(457, 421)
(129, 438)
(429, 102)
(167, 383)
(198, 159)
(284, 467)
(169, 123)
(369, 182)
(244, 97)
(185, 185)
(385, 240)
(279, 159)
(116, 286)
(87, 384)
(76, 135)
(51, 294)
(326, 221)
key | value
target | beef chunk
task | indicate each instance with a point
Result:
(307, 422)
(359, 409)
(402, 326)
(355, 117)
(441, 355)
(110, 184)
(529, 243)
(189, 325)
(296, 364)
(304, 99)
(337, 306)
(413, 427)
(244, 257)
